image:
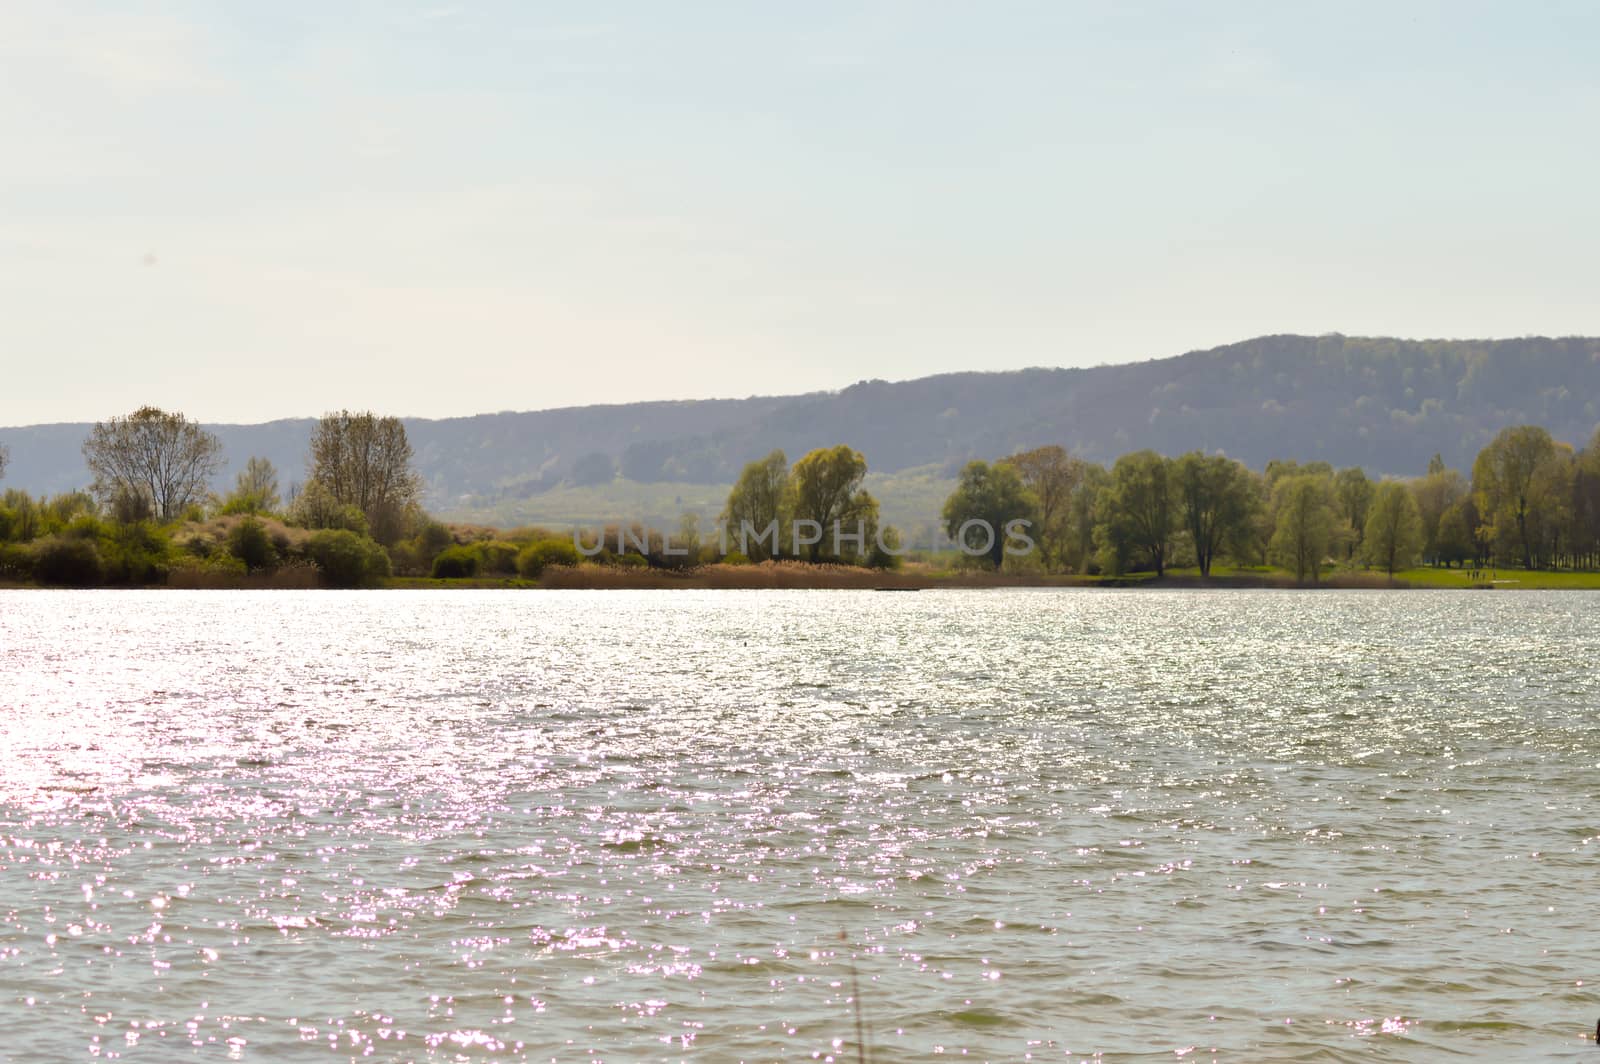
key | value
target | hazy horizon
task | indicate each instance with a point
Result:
(250, 213)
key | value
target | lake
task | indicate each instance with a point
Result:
(1014, 824)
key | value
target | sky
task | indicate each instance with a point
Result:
(247, 211)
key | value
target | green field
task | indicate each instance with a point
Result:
(1502, 579)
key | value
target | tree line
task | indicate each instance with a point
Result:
(1530, 502)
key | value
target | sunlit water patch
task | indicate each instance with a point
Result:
(655, 825)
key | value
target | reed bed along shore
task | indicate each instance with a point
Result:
(802, 576)
(790, 575)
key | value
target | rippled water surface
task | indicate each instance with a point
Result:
(657, 825)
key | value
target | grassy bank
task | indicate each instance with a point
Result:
(1501, 579)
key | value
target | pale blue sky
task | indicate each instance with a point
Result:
(246, 211)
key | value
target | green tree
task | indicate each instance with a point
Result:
(1137, 512)
(1279, 469)
(255, 489)
(1435, 493)
(754, 512)
(1078, 550)
(1550, 510)
(1304, 526)
(825, 491)
(1216, 499)
(26, 515)
(1392, 537)
(687, 540)
(1353, 493)
(1503, 479)
(987, 499)
(164, 459)
(1457, 539)
(1051, 475)
(1586, 503)
(364, 461)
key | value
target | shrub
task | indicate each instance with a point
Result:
(497, 556)
(61, 509)
(414, 556)
(536, 557)
(249, 542)
(138, 553)
(346, 559)
(16, 562)
(455, 563)
(69, 561)
(886, 554)
(216, 565)
(86, 526)
(733, 557)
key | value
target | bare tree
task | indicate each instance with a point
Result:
(5, 457)
(365, 461)
(151, 460)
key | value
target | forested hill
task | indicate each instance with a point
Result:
(1387, 405)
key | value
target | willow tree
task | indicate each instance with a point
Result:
(1435, 493)
(1304, 529)
(151, 462)
(1353, 493)
(1393, 535)
(1504, 481)
(753, 516)
(1051, 475)
(1586, 504)
(987, 499)
(1137, 512)
(1217, 497)
(365, 461)
(825, 491)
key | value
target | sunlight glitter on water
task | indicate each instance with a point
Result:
(633, 825)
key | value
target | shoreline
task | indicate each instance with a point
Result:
(839, 578)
